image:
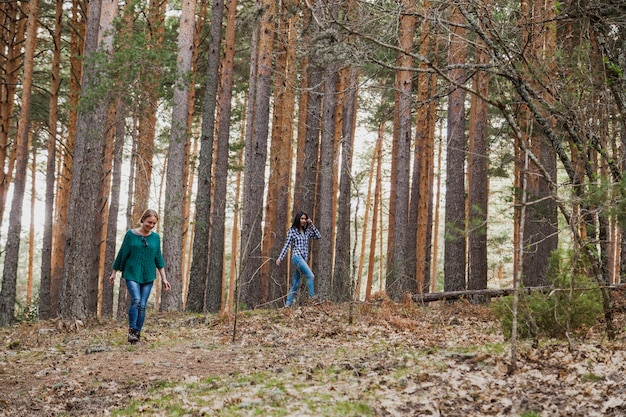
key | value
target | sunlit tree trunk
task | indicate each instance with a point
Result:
(455, 241)
(11, 252)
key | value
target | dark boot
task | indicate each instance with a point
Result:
(133, 336)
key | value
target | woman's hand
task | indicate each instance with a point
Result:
(166, 284)
(277, 262)
(112, 278)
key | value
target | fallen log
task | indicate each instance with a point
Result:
(500, 292)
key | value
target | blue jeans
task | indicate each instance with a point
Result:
(139, 294)
(300, 268)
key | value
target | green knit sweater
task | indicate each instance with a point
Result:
(139, 257)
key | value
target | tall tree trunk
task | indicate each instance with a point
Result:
(12, 30)
(342, 275)
(9, 272)
(196, 300)
(78, 298)
(455, 242)
(323, 213)
(114, 207)
(478, 181)
(234, 245)
(176, 161)
(399, 277)
(306, 188)
(375, 209)
(109, 13)
(255, 160)
(151, 78)
(218, 218)
(53, 118)
(77, 36)
(420, 216)
(31, 228)
(281, 157)
(540, 235)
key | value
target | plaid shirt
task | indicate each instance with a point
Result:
(299, 242)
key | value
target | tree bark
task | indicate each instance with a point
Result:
(77, 36)
(13, 36)
(176, 161)
(196, 301)
(78, 298)
(478, 180)
(53, 119)
(342, 275)
(455, 241)
(277, 213)
(399, 278)
(9, 272)
(324, 274)
(254, 166)
(217, 243)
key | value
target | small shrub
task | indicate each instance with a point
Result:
(574, 305)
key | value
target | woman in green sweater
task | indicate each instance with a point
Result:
(139, 259)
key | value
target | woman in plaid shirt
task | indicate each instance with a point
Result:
(298, 237)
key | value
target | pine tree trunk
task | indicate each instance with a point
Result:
(255, 160)
(478, 182)
(216, 260)
(420, 218)
(77, 35)
(281, 158)
(324, 211)
(176, 161)
(399, 278)
(455, 252)
(196, 300)
(13, 37)
(81, 261)
(9, 272)
(46, 246)
(342, 275)
(540, 234)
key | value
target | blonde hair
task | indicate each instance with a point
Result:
(148, 213)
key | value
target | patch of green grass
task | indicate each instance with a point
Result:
(530, 414)
(495, 348)
(591, 377)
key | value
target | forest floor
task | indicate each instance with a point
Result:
(391, 360)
